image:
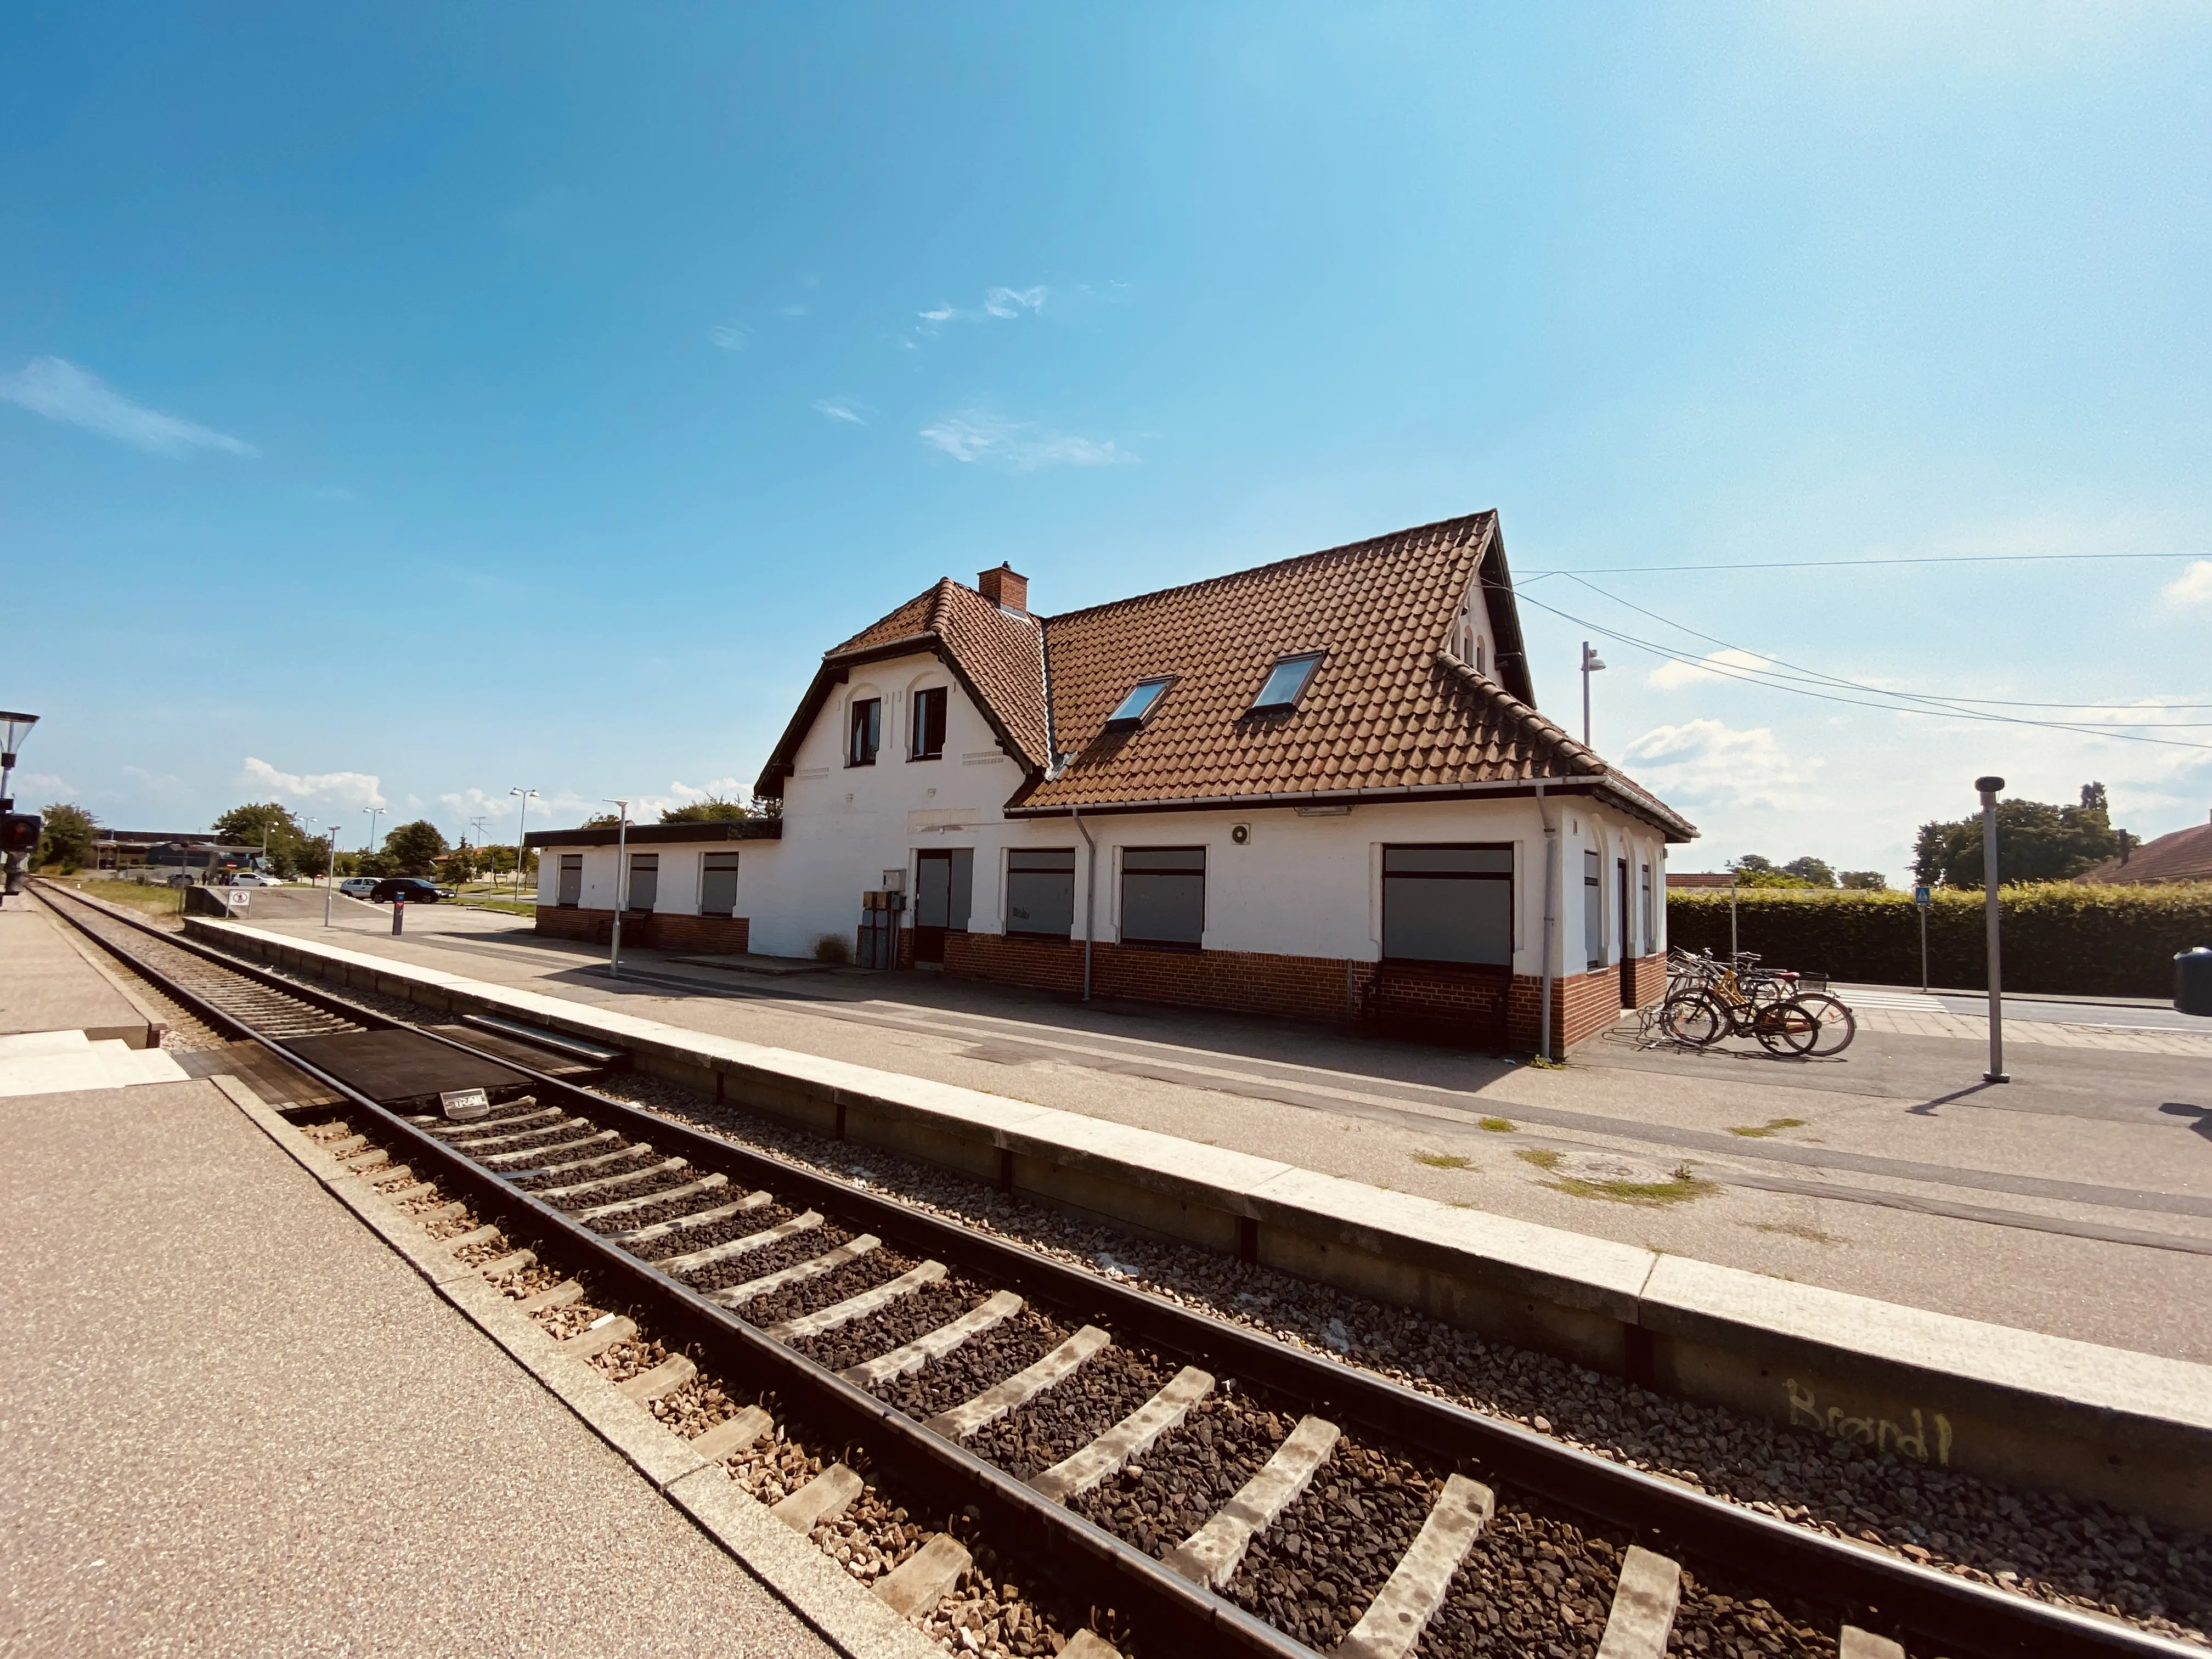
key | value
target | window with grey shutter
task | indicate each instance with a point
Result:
(571, 890)
(1163, 895)
(1448, 904)
(1594, 908)
(644, 880)
(928, 740)
(1040, 892)
(864, 736)
(718, 885)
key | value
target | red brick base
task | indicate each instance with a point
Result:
(649, 930)
(1309, 987)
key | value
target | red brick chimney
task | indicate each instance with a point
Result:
(1004, 587)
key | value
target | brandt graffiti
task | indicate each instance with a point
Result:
(1879, 1432)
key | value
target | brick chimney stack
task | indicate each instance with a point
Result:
(1005, 588)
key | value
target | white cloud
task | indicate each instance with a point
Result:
(2192, 587)
(729, 336)
(1020, 445)
(29, 786)
(1003, 303)
(794, 311)
(1706, 760)
(838, 408)
(1670, 675)
(1012, 301)
(62, 391)
(321, 788)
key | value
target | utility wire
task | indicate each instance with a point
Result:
(1786, 683)
(1816, 676)
(1849, 564)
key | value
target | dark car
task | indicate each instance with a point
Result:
(413, 889)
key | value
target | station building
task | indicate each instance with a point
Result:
(1319, 789)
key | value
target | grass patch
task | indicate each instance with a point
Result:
(1542, 1157)
(1498, 1126)
(513, 907)
(1443, 1160)
(1766, 1128)
(138, 896)
(1679, 1189)
(1810, 1234)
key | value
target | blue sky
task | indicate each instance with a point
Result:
(401, 406)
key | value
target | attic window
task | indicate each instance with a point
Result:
(1136, 707)
(1287, 684)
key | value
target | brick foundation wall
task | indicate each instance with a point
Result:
(1583, 1004)
(649, 930)
(1651, 980)
(1243, 982)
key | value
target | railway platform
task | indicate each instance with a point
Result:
(237, 1423)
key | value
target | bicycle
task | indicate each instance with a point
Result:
(1737, 1000)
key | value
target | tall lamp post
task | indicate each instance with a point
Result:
(1592, 663)
(522, 818)
(330, 873)
(1989, 787)
(622, 883)
(18, 728)
(374, 813)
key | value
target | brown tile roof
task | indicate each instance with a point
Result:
(2183, 855)
(1388, 711)
(998, 655)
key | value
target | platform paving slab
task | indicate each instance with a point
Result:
(239, 1423)
(46, 984)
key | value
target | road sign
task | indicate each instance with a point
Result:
(1920, 897)
(237, 897)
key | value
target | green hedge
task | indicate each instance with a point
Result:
(2062, 936)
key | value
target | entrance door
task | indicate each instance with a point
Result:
(1627, 952)
(942, 882)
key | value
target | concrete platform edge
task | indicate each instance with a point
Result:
(839, 1609)
(2019, 1407)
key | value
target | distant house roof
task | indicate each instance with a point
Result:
(661, 835)
(1389, 713)
(2185, 855)
(1699, 879)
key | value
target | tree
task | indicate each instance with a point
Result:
(1865, 881)
(68, 837)
(267, 823)
(2036, 841)
(415, 848)
(713, 809)
(1754, 870)
(458, 867)
(1814, 873)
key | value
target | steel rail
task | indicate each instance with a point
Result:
(1871, 1587)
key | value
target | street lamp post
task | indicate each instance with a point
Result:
(374, 813)
(622, 883)
(330, 873)
(522, 818)
(1989, 787)
(18, 728)
(1592, 663)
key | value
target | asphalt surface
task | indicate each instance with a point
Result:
(237, 1424)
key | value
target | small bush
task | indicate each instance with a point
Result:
(2061, 937)
(832, 947)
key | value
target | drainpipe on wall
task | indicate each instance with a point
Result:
(1090, 893)
(1551, 890)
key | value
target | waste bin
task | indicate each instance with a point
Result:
(2192, 981)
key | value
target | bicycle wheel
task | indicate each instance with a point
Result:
(1694, 1019)
(1787, 1027)
(1839, 1025)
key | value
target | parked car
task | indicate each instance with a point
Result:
(358, 887)
(250, 879)
(413, 889)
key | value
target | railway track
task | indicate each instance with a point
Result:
(1219, 1491)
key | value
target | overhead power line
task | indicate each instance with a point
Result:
(1802, 683)
(1846, 564)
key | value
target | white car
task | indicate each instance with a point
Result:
(358, 887)
(250, 879)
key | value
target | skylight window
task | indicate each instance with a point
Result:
(1137, 706)
(1286, 683)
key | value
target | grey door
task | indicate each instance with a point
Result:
(943, 884)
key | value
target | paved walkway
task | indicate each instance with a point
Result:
(46, 983)
(236, 1423)
(2077, 1200)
